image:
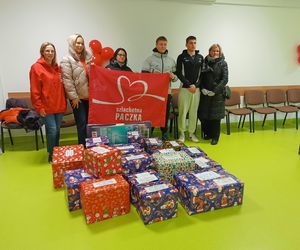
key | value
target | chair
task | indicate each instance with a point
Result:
(278, 97)
(174, 115)
(68, 121)
(257, 98)
(233, 106)
(26, 102)
(293, 97)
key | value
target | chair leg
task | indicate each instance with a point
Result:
(253, 122)
(171, 125)
(275, 122)
(175, 128)
(42, 136)
(2, 139)
(10, 137)
(240, 121)
(296, 119)
(244, 118)
(228, 124)
(36, 140)
(284, 119)
(263, 124)
(250, 122)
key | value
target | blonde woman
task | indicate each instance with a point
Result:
(212, 101)
(75, 69)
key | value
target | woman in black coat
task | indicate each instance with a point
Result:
(119, 61)
(212, 100)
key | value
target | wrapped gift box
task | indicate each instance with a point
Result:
(66, 158)
(202, 191)
(194, 152)
(141, 178)
(72, 179)
(152, 144)
(131, 148)
(164, 151)
(157, 201)
(133, 163)
(103, 160)
(96, 141)
(204, 162)
(136, 137)
(104, 198)
(116, 133)
(176, 145)
(169, 164)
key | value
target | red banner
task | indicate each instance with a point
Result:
(127, 97)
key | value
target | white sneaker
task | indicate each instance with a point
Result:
(181, 137)
(193, 138)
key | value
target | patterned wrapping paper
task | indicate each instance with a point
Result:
(164, 151)
(157, 201)
(202, 191)
(136, 137)
(152, 144)
(66, 158)
(103, 160)
(104, 198)
(204, 162)
(96, 141)
(134, 163)
(131, 148)
(169, 164)
(194, 152)
(141, 178)
(177, 145)
(72, 179)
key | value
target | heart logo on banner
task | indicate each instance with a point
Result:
(133, 97)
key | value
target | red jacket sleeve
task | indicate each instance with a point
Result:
(36, 90)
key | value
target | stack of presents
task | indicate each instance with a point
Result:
(106, 177)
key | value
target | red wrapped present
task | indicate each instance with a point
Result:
(66, 158)
(103, 160)
(104, 198)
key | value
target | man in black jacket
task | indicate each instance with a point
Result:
(189, 67)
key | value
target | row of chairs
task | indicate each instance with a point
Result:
(256, 101)
(265, 103)
(68, 121)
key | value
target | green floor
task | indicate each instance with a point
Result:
(35, 216)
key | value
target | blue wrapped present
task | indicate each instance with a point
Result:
(141, 178)
(152, 144)
(157, 201)
(134, 163)
(96, 141)
(204, 162)
(206, 190)
(136, 137)
(194, 152)
(72, 179)
(130, 148)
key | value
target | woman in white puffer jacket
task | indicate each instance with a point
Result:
(75, 74)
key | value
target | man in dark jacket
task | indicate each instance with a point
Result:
(189, 67)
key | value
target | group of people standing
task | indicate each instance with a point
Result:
(200, 95)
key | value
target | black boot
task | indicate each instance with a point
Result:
(214, 141)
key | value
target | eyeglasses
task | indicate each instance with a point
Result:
(123, 55)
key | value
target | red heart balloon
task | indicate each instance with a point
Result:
(95, 46)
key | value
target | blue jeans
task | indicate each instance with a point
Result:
(81, 118)
(52, 123)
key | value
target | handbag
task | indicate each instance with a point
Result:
(227, 92)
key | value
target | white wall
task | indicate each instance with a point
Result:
(259, 42)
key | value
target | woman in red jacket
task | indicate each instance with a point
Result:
(47, 94)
